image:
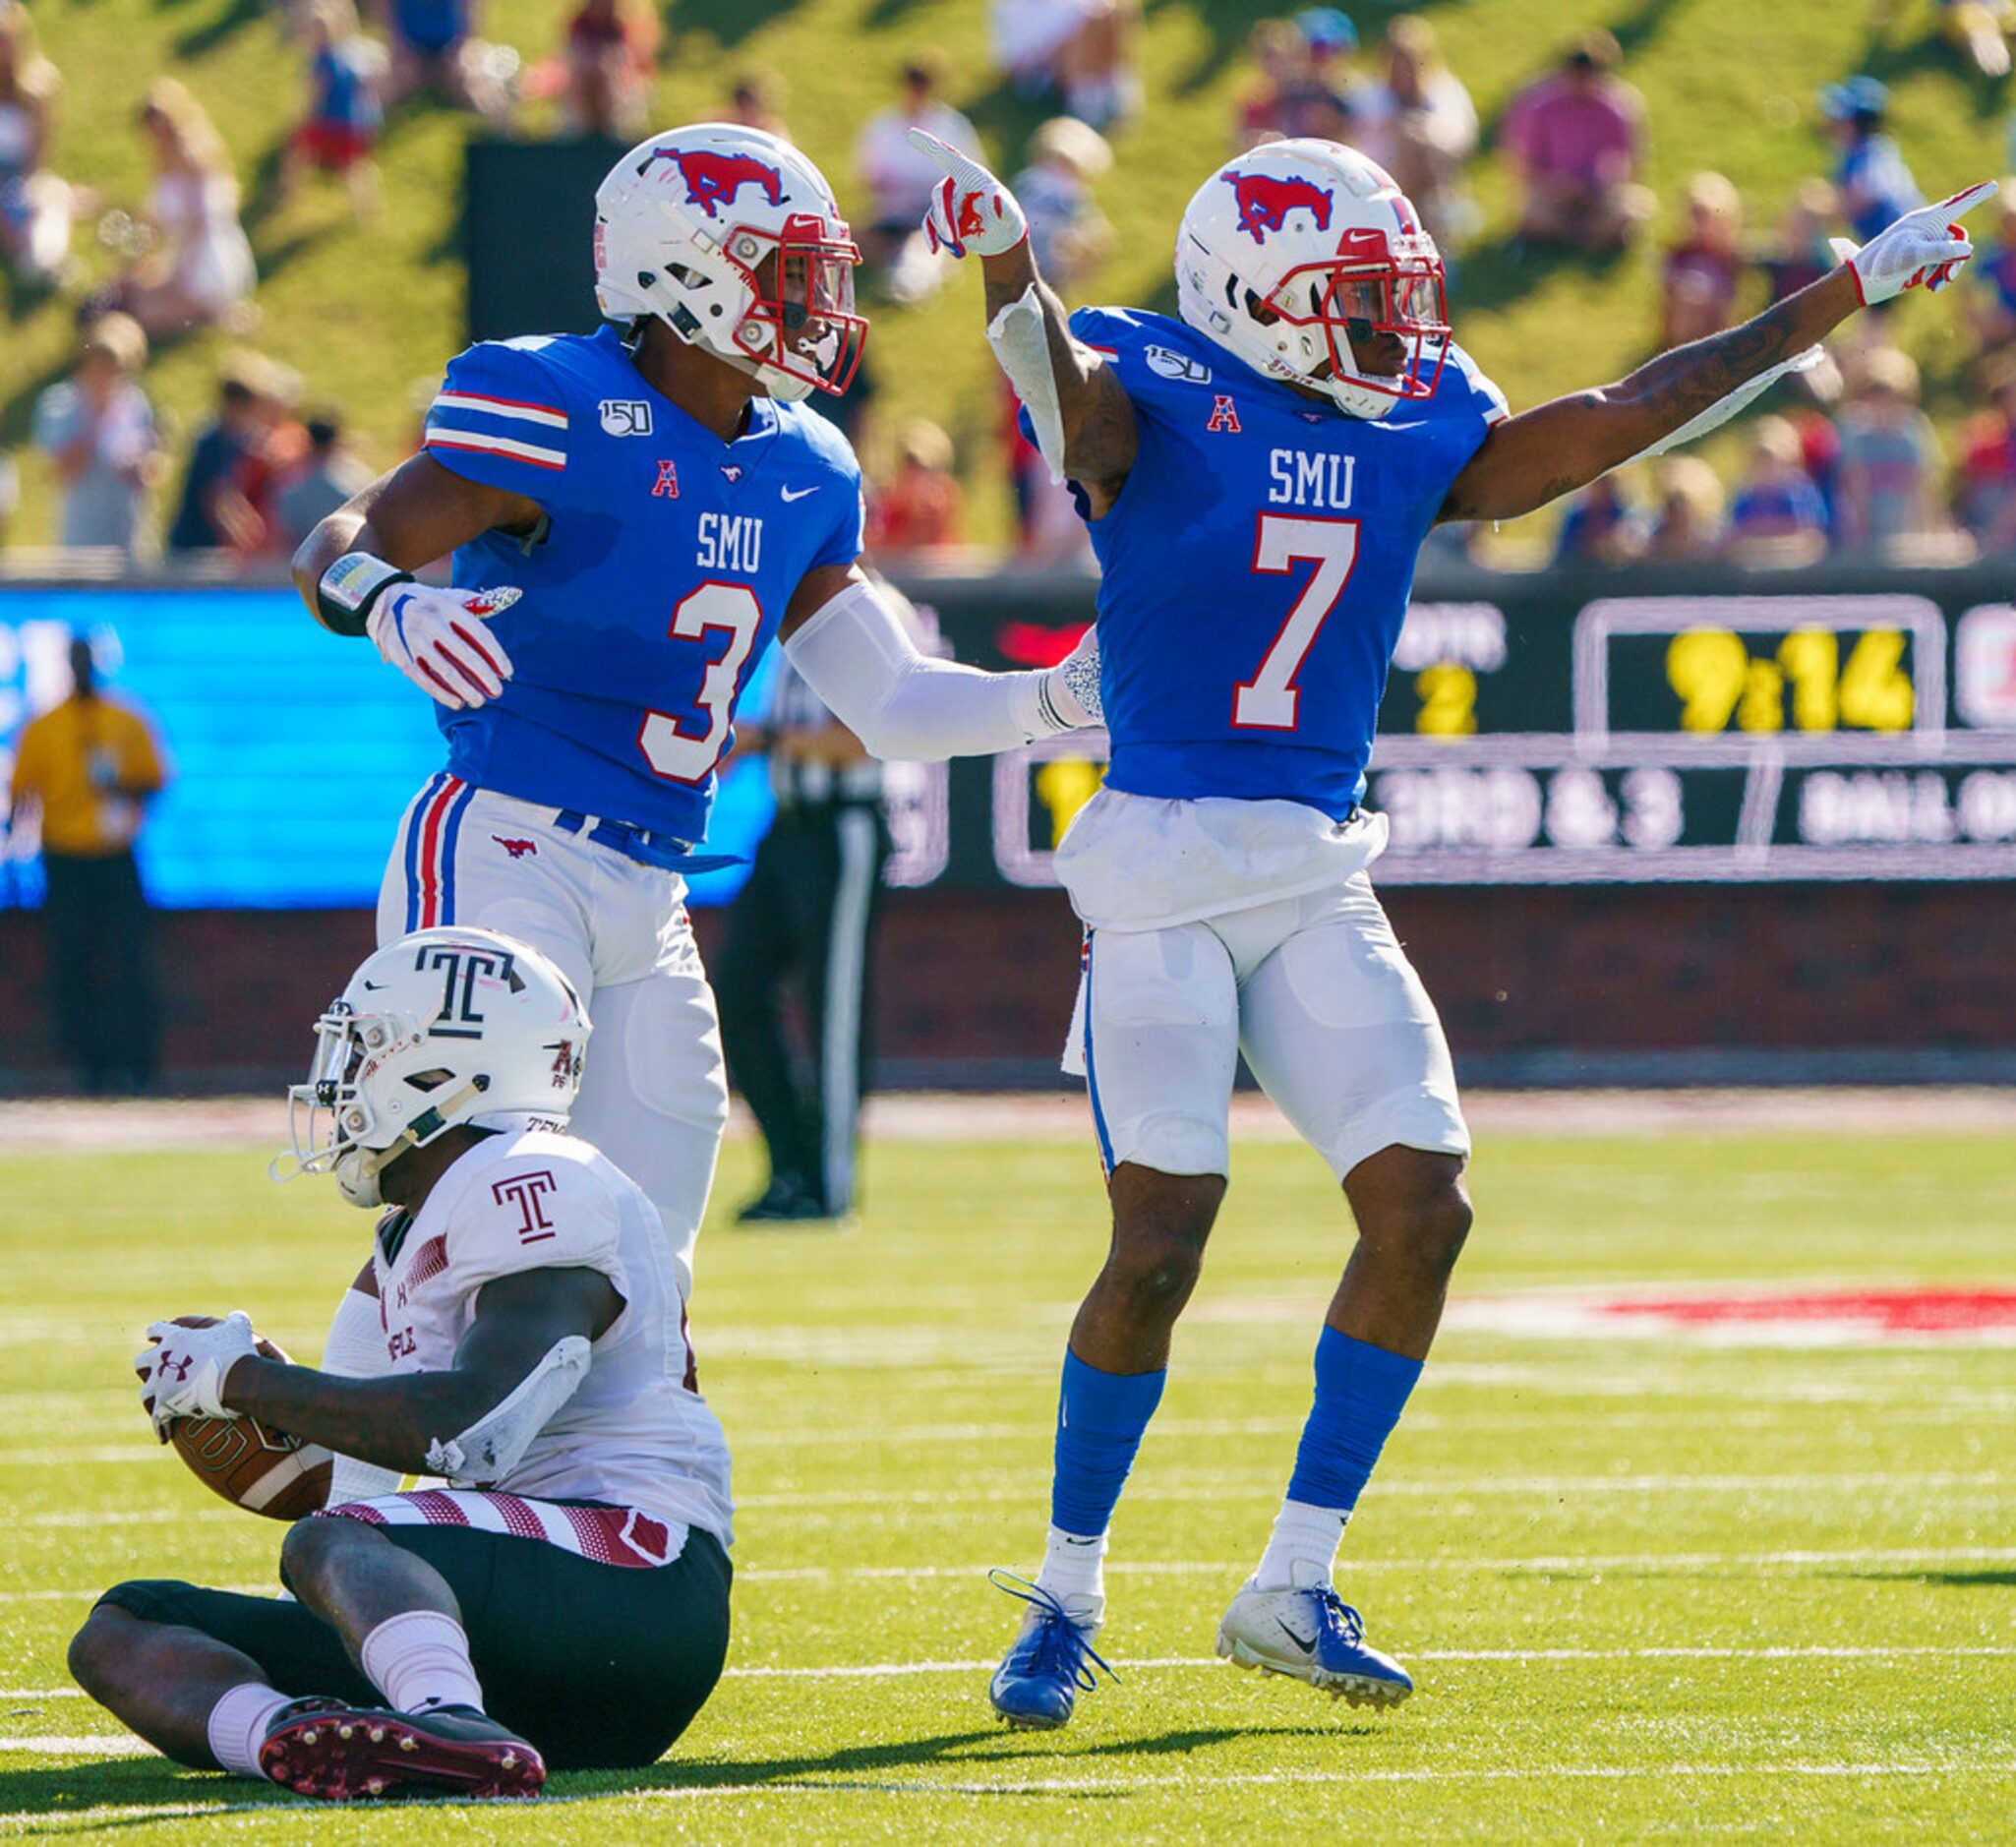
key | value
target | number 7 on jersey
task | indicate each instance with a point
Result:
(1269, 700)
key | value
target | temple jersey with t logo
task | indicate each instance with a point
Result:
(636, 1436)
(656, 581)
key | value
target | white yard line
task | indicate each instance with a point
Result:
(1353, 1568)
(1465, 1488)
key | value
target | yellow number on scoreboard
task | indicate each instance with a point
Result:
(1448, 701)
(1708, 668)
(1718, 680)
(1876, 690)
(1064, 785)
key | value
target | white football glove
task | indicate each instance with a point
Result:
(182, 1374)
(1925, 246)
(1073, 684)
(971, 213)
(436, 639)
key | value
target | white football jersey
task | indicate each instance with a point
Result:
(636, 1433)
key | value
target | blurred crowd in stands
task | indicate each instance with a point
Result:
(1842, 462)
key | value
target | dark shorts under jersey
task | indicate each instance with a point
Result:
(600, 1666)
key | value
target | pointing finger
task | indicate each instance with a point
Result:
(1843, 248)
(925, 143)
(1965, 202)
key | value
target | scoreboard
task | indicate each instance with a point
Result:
(1619, 728)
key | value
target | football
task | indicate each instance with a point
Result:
(261, 1470)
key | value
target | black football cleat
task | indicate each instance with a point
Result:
(339, 1753)
(785, 1201)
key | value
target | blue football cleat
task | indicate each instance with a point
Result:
(1039, 1684)
(1309, 1633)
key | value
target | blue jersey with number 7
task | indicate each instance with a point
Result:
(1257, 566)
(653, 585)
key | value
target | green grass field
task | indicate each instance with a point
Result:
(1649, 1588)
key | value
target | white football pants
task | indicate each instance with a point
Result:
(1317, 994)
(654, 1094)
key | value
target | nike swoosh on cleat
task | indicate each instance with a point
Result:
(1306, 1643)
(799, 496)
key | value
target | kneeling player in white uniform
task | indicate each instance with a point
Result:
(633, 516)
(562, 1601)
(1258, 476)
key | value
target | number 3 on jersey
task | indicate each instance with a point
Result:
(1269, 700)
(685, 755)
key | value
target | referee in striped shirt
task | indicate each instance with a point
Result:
(805, 920)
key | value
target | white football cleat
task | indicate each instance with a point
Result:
(1307, 1631)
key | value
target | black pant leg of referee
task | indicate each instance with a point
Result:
(761, 949)
(846, 843)
(76, 951)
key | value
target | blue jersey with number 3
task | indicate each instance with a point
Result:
(656, 581)
(1257, 566)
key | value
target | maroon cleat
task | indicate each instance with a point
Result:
(338, 1752)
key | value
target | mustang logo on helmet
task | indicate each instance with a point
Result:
(1264, 203)
(714, 180)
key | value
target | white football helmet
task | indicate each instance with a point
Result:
(731, 238)
(1292, 253)
(444, 1027)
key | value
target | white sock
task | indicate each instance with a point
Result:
(418, 1659)
(237, 1726)
(1305, 1535)
(1073, 1567)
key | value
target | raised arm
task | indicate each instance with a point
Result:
(1561, 446)
(1083, 417)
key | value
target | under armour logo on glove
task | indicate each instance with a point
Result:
(182, 1374)
(970, 211)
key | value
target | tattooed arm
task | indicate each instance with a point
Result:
(1101, 439)
(1560, 446)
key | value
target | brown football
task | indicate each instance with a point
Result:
(262, 1470)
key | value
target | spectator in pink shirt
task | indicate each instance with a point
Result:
(1576, 140)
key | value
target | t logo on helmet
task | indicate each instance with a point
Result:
(461, 970)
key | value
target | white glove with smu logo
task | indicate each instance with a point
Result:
(182, 1374)
(436, 639)
(971, 213)
(1925, 246)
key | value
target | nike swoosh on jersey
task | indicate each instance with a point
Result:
(799, 495)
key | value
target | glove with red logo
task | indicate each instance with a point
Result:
(182, 1374)
(436, 638)
(1925, 246)
(971, 214)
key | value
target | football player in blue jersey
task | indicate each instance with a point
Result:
(632, 517)
(1258, 476)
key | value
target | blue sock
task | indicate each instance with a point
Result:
(1360, 1393)
(1100, 1418)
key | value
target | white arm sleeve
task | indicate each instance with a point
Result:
(857, 656)
(356, 1349)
